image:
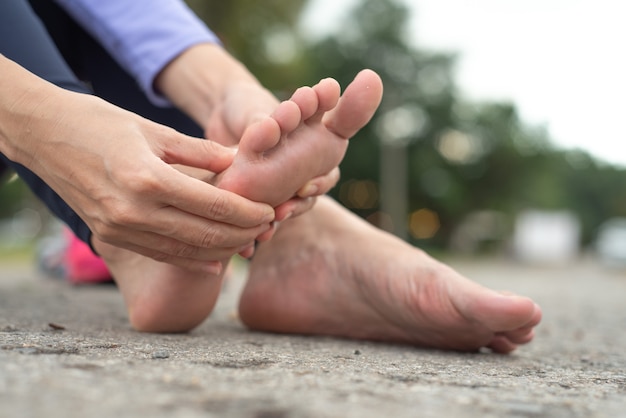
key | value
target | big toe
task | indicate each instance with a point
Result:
(357, 105)
(502, 313)
(526, 332)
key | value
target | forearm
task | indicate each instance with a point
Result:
(173, 55)
(142, 35)
(206, 77)
(22, 96)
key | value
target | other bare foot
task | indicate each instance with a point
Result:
(328, 272)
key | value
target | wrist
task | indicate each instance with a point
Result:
(197, 80)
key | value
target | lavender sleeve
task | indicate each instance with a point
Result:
(142, 35)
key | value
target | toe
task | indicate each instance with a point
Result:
(327, 93)
(501, 345)
(520, 336)
(356, 106)
(307, 101)
(495, 311)
(288, 116)
(259, 137)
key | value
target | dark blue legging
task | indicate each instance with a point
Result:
(42, 38)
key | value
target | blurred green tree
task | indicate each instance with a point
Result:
(462, 157)
(263, 35)
(13, 195)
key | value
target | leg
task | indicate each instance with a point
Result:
(306, 137)
(158, 297)
(92, 63)
(24, 40)
(144, 282)
(328, 272)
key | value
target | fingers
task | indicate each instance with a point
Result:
(209, 267)
(320, 185)
(160, 247)
(170, 231)
(248, 251)
(201, 232)
(177, 148)
(266, 236)
(198, 173)
(158, 226)
(294, 207)
(211, 203)
(305, 197)
(167, 250)
(171, 216)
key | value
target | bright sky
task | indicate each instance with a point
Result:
(559, 61)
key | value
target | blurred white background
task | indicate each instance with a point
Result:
(559, 61)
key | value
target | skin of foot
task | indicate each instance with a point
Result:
(328, 272)
(301, 140)
(161, 297)
(314, 125)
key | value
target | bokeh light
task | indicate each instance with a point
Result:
(424, 223)
(399, 126)
(280, 46)
(459, 147)
(359, 194)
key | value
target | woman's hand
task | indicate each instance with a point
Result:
(115, 170)
(226, 100)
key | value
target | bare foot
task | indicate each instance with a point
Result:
(328, 272)
(161, 297)
(305, 137)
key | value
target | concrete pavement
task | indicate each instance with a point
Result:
(68, 352)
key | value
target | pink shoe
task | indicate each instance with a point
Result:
(81, 264)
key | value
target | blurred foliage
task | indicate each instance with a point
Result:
(463, 157)
(13, 194)
(256, 32)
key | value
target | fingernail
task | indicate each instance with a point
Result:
(268, 217)
(214, 268)
(244, 248)
(247, 251)
(308, 190)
